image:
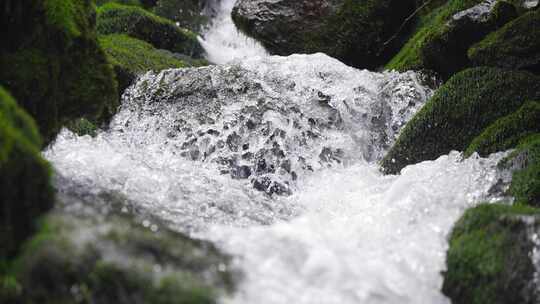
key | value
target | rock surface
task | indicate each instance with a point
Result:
(357, 33)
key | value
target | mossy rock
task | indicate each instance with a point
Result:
(25, 191)
(132, 57)
(431, 26)
(525, 164)
(488, 259)
(506, 132)
(514, 46)
(189, 14)
(444, 50)
(53, 64)
(458, 112)
(114, 260)
(359, 33)
(138, 23)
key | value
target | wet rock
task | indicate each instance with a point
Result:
(493, 256)
(113, 260)
(357, 33)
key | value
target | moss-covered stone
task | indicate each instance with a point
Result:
(488, 259)
(25, 192)
(525, 163)
(113, 260)
(359, 33)
(429, 22)
(444, 49)
(125, 2)
(515, 46)
(51, 62)
(138, 23)
(458, 112)
(132, 57)
(83, 127)
(506, 132)
(189, 14)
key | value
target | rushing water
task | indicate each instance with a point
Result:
(275, 160)
(223, 42)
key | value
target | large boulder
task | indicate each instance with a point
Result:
(490, 256)
(359, 33)
(138, 23)
(515, 46)
(51, 62)
(25, 192)
(458, 112)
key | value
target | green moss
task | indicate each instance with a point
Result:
(525, 161)
(488, 259)
(515, 46)
(53, 64)
(115, 263)
(430, 24)
(458, 112)
(506, 132)
(131, 57)
(138, 23)
(124, 2)
(25, 191)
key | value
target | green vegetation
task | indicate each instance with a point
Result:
(138, 23)
(132, 57)
(25, 191)
(458, 112)
(115, 263)
(124, 2)
(525, 161)
(506, 132)
(82, 127)
(488, 259)
(515, 46)
(53, 64)
(431, 23)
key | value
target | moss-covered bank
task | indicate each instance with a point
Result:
(458, 112)
(25, 192)
(51, 62)
(488, 259)
(138, 23)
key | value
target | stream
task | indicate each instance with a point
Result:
(274, 160)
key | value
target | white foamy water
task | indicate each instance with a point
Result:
(209, 149)
(224, 43)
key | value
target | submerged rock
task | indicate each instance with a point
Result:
(267, 121)
(493, 256)
(51, 62)
(458, 112)
(25, 191)
(359, 33)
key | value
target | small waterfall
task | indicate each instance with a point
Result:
(274, 159)
(223, 42)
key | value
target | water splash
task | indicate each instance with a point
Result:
(223, 42)
(345, 234)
